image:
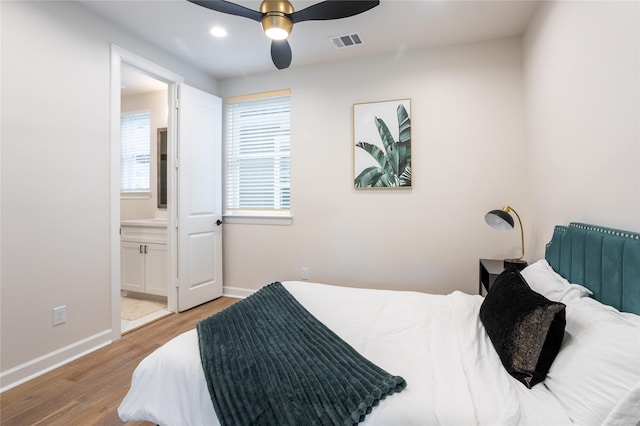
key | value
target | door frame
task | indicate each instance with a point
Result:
(120, 56)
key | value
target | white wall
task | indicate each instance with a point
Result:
(582, 79)
(55, 179)
(157, 104)
(467, 130)
(469, 135)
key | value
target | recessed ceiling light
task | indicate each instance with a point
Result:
(218, 32)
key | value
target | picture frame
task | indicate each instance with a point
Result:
(382, 144)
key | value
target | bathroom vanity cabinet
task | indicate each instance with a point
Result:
(143, 254)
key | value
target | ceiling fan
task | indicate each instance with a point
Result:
(278, 16)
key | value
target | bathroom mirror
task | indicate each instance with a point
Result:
(162, 168)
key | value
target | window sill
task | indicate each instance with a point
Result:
(258, 220)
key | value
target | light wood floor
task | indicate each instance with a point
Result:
(88, 391)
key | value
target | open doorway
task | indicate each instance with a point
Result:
(142, 220)
(143, 199)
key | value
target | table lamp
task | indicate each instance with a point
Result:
(502, 221)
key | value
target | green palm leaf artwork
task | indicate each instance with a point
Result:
(391, 165)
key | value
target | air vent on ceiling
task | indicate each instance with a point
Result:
(348, 40)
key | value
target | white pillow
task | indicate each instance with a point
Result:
(627, 411)
(597, 371)
(544, 280)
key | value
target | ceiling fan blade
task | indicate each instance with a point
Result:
(281, 53)
(230, 8)
(332, 10)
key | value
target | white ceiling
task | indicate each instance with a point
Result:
(182, 28)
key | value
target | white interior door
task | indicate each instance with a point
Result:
(199, 211)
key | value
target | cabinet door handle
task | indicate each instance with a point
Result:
(140, 248)
(145, 249)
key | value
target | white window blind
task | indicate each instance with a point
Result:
(257, 154)
(135, 152)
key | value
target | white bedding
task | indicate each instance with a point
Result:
(437, 343)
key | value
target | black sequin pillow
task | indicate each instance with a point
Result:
(525, 327)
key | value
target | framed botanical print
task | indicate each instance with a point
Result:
(382, 144)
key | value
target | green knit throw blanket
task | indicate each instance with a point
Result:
(268, 361)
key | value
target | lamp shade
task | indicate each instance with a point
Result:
(503, 221)
(500, 220)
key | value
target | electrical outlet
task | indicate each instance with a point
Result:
(59, 315)
(305, 274)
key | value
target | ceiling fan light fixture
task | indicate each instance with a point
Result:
(276, 26)
(275, 22)
(278, 16)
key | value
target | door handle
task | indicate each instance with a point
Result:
(218, 222)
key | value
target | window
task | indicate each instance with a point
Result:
(257, 155)
(135, 152)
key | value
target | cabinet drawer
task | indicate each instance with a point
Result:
(144, 234)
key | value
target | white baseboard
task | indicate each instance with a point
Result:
(237, 292)
(30, 370)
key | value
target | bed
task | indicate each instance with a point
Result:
(448, 355)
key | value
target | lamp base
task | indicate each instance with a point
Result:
(517, 264)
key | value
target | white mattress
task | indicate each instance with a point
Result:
(437, 343)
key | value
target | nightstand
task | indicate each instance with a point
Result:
(489, 270)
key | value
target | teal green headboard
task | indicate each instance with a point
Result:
(605, 260)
